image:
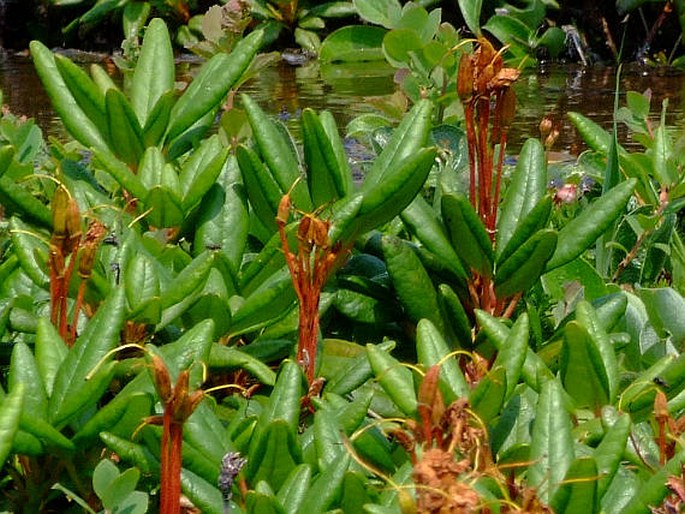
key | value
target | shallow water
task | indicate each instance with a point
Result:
(284, 90)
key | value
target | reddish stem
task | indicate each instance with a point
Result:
(77, 310)
(172, 441)
(471, 139)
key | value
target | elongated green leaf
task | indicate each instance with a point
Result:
(578, 492)
(121, 173)
(399, 187)
(588, 318)
(86, 93)
(432, 349)
(200, 171)
(31, 251)
(125, 131)
(609, 452)
(524, 267)
(294, 489)
(269, 302)
(421, 220)
(158, 119)
(653, 491)
(411, 281)
(407, 139)
(24, 370)
(262, 189)
(580, 357)
(99, 337)
(50, 352)
(469, 238)
(488, 396)
(528, 186)
(18, 200)
(277, 153)
(210, 86)
(513, 354)
(223, 221)
(470, 10)
(583, 230)
(536, 219)
(155, 70)
(189, 280)
(328, 177)
(551, 451)
(395, 379)
(327, 488)
(9, 420)
(75, 120)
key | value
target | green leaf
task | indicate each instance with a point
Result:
(353, 43)
(125, 132)
(379, 12)
(277, 454)
(583, 230)
(74, 388)
(50, 352)
(24, 370)
(411, 281)
(200, 171)
(75, 120)
(469, 238)
(211, 85)
(155, 70)
(552, 446)
(609, 452)
(470, 10)
(578, 492)
(488, 397)
(580, 357)
(432, 349)
(527, 188)
(9, 420)
(523, 268)
(395, 379)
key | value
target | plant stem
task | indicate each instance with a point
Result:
(172, 441)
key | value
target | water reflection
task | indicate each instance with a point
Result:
(284, 91)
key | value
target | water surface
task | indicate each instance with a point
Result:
(284, 90)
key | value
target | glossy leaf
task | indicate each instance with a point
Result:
(354, 43)
(211, 84)
(9, 420)
(522, 269)
(552, 450)
(395, 379)
(578, 492)
(421, 220)
(432, 349)
(155, 73)
(527, 188)
(411, 281)
(72, 392)
(125, 132)
(583, 230)
(580, 357)
(469, 237)
(75, 120)
(398, 188)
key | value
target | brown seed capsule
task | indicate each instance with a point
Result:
(283, 210)
(545, 127)
(465, 79)
(60, 205)
(73, 225)
(162, 378)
